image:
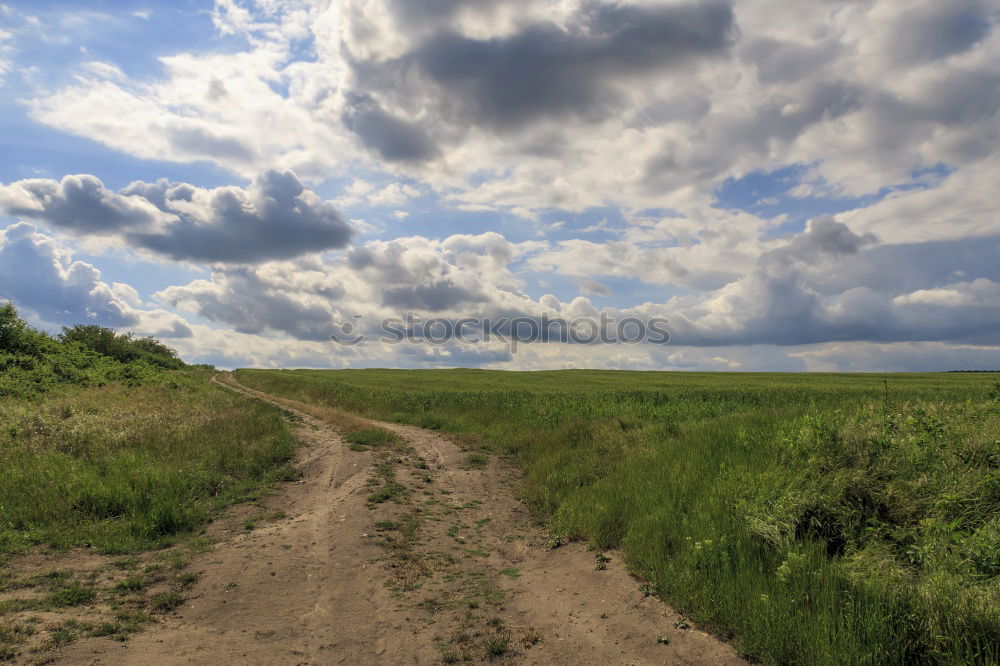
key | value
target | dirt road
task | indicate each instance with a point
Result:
(416, 554)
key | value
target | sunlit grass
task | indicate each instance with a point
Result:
(820, 519)
(123, 468)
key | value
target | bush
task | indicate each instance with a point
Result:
(33, 363)
(122, 347)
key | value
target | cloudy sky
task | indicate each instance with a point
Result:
(794, 185)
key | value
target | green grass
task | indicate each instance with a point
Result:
(124, 468)
(476, 460)
(167, 601)
(389, 490)
(373, 436)
(821, 519)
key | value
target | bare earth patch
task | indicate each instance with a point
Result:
(402, 550)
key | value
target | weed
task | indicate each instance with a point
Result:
(389, 491)
(497, 646)
(67, 632)
(187, 579)
(123, 473)
(373, 436)
(530, 638)
(131, 585)
(476, 460)
(165, 602)
(131, 619)
(71, 594)
(126, 563)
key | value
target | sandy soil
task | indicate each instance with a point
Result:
(451, 570)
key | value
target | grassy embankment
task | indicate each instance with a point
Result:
(111, 443)
(821, 519)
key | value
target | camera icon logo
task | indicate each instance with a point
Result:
(348, 333)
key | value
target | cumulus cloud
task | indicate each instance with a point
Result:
(79, 203)
(930, 31)
(458, 276)
(783, 301)
(535, 108)
(267, 300)
(788, 298)
(550, 70)
(276, 217)
(638, 103)
(394, 139)
(39, 275)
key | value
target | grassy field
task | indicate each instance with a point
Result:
(816, 519)
(116, 468)
(111, 445)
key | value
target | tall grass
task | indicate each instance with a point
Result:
(816, 519)
(122, 468)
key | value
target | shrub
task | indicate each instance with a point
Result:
(33, 363)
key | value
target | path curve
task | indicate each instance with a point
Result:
(454, 570)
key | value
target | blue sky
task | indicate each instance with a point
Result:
(240, 177)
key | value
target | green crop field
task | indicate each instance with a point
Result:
(813, 519)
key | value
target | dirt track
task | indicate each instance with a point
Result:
(453, 570)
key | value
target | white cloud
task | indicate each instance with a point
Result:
(530, 108)
(276, 217)
(38, 274)
(647, 123)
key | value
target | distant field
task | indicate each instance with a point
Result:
(834, 518)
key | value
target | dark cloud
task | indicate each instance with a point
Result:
(938, 30)
(905, 267)
(780, 119)
(962, 97)
(275, 218)
(784, 302)
(426, 11)
(33, 275)
(548, 71)
(786, 62)
(545, 70)
(238, 297)
(394, 139)
(433, 297)
(823, 236)
(79, 203)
